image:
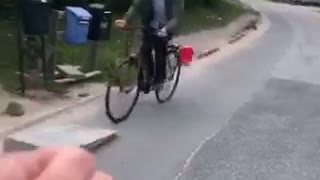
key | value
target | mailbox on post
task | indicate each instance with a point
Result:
(77, 25)
(35, 16)
(100, 24)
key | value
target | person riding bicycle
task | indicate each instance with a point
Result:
(160, 18)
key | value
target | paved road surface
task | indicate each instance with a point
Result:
(276, 134)
(248, 113)
(157, 140)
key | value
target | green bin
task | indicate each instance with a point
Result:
(35, 16)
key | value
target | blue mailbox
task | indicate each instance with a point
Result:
(77, 25)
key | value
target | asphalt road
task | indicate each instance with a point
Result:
(250, 112)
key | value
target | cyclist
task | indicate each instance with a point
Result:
(160, 18)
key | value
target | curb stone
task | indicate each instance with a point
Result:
(252, 25)
(238, 37)
(208, 53)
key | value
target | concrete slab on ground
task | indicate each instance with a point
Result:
(59, 135)
(62, 129)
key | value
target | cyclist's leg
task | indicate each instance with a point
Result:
(146, 50)
(160, 59)
(146, 54)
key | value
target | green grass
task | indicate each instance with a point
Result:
(207, 18)
(8, 54)
(193, 20)
(109, 52)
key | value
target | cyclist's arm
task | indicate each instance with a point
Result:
(178, 7)
(133, 11)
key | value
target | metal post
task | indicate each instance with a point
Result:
(52, 48)
(93, 54)
(44, 61)
(20, 49)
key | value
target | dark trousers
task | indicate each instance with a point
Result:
(159, 45)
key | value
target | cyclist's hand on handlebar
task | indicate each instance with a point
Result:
(162, 32)
(121, 23)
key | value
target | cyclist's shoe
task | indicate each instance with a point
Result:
(144, 87)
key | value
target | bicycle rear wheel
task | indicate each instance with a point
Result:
(173, 71)
(122, 95)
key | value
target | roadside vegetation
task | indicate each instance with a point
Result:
(198, 15)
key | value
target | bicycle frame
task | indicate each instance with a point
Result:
(145, 78)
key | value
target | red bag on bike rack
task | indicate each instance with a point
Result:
(186, 54)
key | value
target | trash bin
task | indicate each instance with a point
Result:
(100, 24)
(35, 16)
(77, 25)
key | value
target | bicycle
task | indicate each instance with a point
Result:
(143, 79)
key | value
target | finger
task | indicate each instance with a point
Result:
(101, 176)
(69, 164)
(25, 165)
(12, 163)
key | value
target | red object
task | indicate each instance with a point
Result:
(186, 54)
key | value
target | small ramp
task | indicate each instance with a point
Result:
(59, 135)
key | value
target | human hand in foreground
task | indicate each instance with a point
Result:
(50, 164)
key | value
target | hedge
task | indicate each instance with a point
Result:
(116, 5)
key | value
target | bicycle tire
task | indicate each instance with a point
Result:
(175, 85)
(125, 116)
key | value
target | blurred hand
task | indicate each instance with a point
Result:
(121, 23)
(162, 32)
(50, 164)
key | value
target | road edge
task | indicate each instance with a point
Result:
(298, 3)
(55, 112)
(249, 26)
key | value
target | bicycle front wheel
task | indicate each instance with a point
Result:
(173, 71)
(123, 93)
